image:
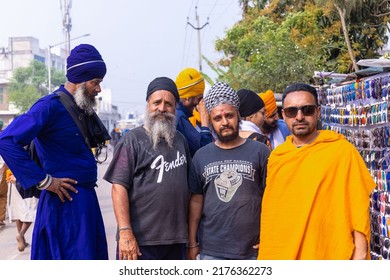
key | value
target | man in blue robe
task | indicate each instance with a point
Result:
(69, 223)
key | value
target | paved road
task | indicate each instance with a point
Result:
(8, 246)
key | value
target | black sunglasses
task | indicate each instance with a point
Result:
(307, 110)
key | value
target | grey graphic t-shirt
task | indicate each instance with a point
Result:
(157, 181)
(232, 182)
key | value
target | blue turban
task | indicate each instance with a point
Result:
(84, 64)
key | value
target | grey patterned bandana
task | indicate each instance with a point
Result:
(221, 93)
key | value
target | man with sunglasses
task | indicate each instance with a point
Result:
(316, 204)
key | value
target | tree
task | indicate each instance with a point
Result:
(382, 8)
(257, 4)
(261, 54)
(24, 98)
(344, 9)
(245, 5)
(366, 23)
(368, 28)
(30, 83)
(285, 41)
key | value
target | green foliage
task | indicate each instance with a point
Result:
(24, 98)
(257, 4)
(287, 40)
(57, 78)
(34, 75)
(29, 84)
(268, 54)
(368, 32)
(217, 70)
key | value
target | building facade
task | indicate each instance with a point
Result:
(19, 53)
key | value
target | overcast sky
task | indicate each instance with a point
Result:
(139, 40)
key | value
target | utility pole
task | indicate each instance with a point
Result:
(67, 24)
(198, 29)
(49, 58)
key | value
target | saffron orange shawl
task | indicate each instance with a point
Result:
(316, 196)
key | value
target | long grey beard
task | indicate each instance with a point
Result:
(83, 101)
(161, 126)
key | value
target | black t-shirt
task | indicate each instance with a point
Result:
(232, 182)
(157, 183)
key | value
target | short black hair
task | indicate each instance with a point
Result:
(300, 87)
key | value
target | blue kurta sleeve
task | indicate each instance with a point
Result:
(59, 144)
(19, 134)
(194, 138)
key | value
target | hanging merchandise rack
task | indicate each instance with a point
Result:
(358, 107)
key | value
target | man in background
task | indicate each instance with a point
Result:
(273, 127)
(252, 112)
(191, 85)
(3, 187)
(115, 136)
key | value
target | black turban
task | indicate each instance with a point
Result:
(163, 83)
(250, 102)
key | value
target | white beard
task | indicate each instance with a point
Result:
(161, 126)
(83, 101)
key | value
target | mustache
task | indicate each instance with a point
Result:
(300, 123)
(226, 127)
(166, 115)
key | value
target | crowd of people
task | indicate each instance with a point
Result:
(210, 175)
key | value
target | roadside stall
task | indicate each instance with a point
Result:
(357, 106)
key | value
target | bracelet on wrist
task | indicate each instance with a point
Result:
(45, 183)
(124, 228)
(192, 246)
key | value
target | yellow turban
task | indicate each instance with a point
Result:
(195, 117)
(190, 83)
(270, 102)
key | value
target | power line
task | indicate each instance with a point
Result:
(189, 45)
(198, 28)
(189, 11)
(212, 9)
(184, 47)
(224, 12)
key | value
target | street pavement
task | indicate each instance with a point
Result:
(8, 245)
